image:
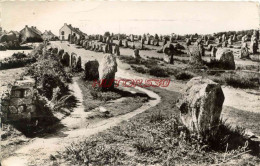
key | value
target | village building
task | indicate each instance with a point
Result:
(36, 30)
(67, 30)
(48, 35)
(32, 34)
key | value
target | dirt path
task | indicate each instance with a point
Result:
(38, 151)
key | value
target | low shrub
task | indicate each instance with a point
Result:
(158, 72)
(11, 63)
(18, 55)
(184, 75)
(241, 80)
(139, 69)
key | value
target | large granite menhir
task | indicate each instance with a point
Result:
(201, 105)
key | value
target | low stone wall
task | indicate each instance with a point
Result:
(17, 102)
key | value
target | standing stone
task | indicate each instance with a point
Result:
(188, 42)
(132, 38)
(116, 50)
(164, 41)
(244, 51)
(168, 51)
(126, 44)
(73, 60)
(207, 42)
(78, 66)
(156, 42)
(191, 38)
(256, 34)
(226, 57)
(224, 38)
(230, 42)
(217, 41)
(142, 41)
(60, 53)
(254, 45)
(171, 39)
(107, 71)
(201, 105)
(196, 53)
(244, 39)
(148, 41)
(224, 44)
(100, 39)
(66, 59)
(234, 38)
(137, 56)
(120, 43)
(91, 70)
(213, 51)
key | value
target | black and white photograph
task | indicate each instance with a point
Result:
(129, 83)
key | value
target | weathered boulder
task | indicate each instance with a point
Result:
(226, 58)
(66, 59)
(91, 70)
(107, 71)
(201, 105)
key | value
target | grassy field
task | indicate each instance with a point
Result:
(156, 137)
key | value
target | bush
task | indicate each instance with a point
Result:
(18, 55)
(158, 72)
(11, 63)
(139, 69)
(246, 80)
(184, 75)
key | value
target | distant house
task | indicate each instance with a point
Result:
(36, 30)
(28, 34)
(67, 30)
(16, 33)
(48, 35)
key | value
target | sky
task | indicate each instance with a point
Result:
(94, 17)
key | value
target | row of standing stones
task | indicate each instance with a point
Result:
(200, 106)
(18, 101)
